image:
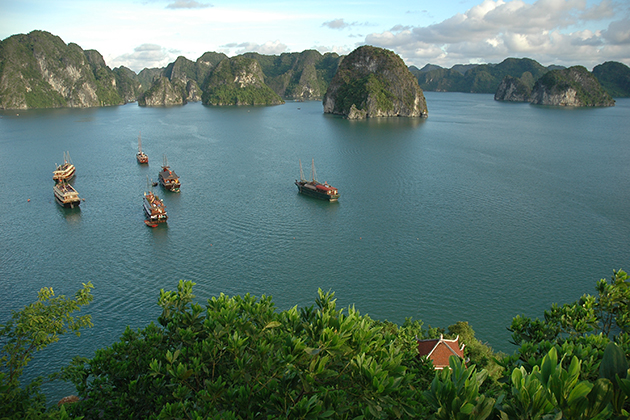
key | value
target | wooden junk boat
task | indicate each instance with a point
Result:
(168, 178)
(154, 209)
(66, 195)
(140, 156)
(314, 188)
(65, 171)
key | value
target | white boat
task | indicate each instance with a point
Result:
(66, 195)
(65, 171)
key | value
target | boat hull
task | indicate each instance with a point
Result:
(303, 188)
(142, 158)
(68, 204)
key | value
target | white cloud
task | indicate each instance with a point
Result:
(145, 56)
(268, 48)
(336, 24)
(342, 24)
(187, 4)
(496, 29)
(618, 32)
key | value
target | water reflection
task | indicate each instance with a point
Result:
(71, 215)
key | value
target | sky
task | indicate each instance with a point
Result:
(142, 34)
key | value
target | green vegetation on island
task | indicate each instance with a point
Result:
(374, 82)
(38, 70)
(574, 86)
(482, 78)
(238, 81)
(614, 77)
(240, 357)
(489, 78)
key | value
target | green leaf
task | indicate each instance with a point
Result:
(613, 363)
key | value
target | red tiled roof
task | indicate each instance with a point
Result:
(439, 350)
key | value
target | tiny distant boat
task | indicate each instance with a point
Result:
(66, 195)
(140, 156)
(65, 171)
(314, 188)
(168, 178)
(154, 209)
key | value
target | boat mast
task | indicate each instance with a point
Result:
(313, 173)
(139, 143)
(301, 172)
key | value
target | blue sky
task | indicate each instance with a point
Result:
(153, 33)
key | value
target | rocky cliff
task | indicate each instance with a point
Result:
(162, 93)
(574, 86)
(513, 89)
(238, 81)
(299, 76)
(39, 70)
(374, 82)
(184, 76)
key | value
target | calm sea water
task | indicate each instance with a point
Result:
(483, 211)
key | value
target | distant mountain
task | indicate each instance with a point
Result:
(238, 81)
(614, 77)
(39, 70)
(299, 76)
(573, 86)
(482, 78)
(374, 82)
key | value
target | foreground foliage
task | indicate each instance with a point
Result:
(28, 331)
(240, 358)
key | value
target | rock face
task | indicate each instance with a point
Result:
(39, 70)
(299, 76)
(374, 82)
(180, 85)
(238, 81)
(574, 86)
(127, 84)
(162, 93)
(512, 89)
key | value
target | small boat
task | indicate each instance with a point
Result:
(315, 188)
(65, 171)
(153, 208)
(140, 156)
(168, 178)
(66, 195)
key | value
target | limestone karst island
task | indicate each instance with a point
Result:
(39, 70)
